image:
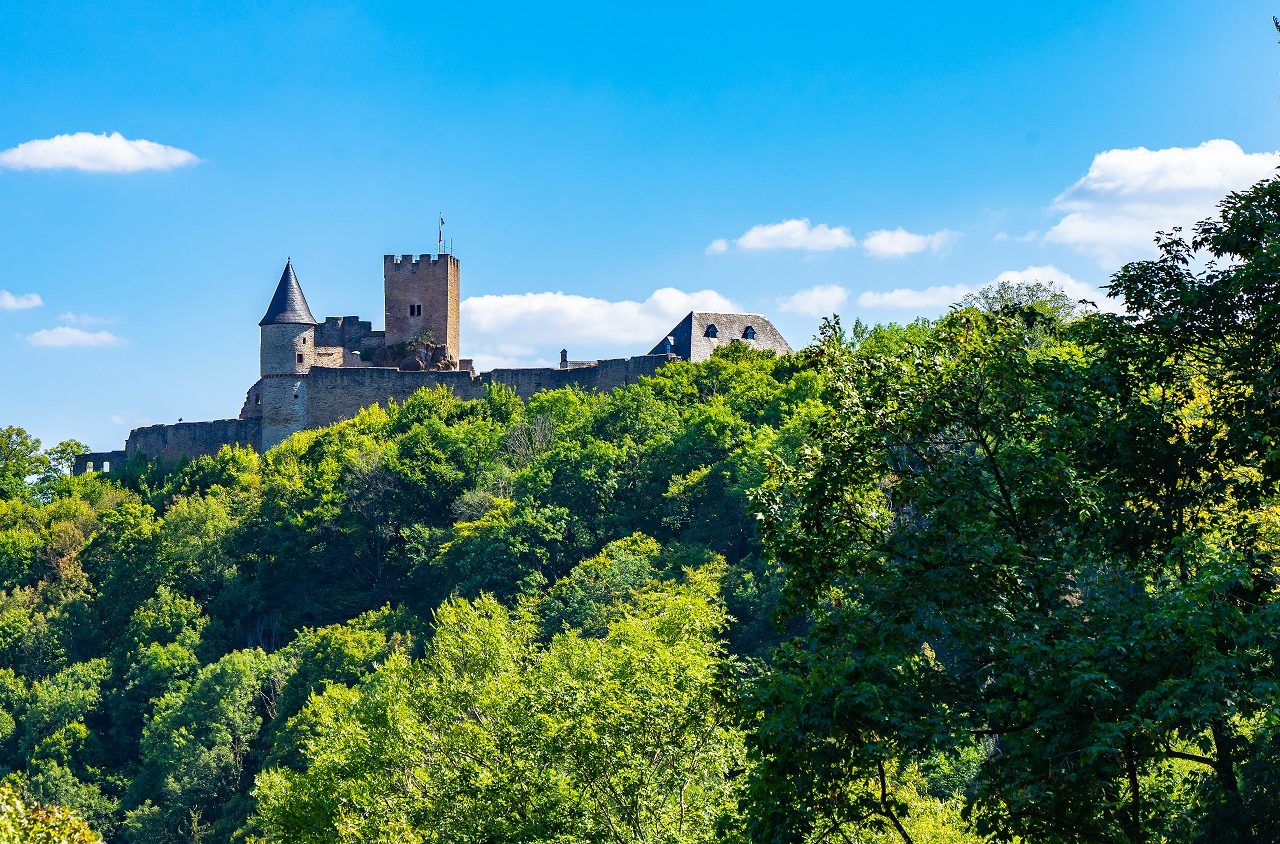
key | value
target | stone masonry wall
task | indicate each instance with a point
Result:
(430, 282)
(329, 394)
(281, 347)
(98, 461)
(170, 443)
(337, 394)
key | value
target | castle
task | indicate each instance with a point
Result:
(317, 373)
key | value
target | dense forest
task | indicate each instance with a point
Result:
(1011, 575)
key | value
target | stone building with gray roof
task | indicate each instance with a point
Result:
(700, 333)
(316, 373)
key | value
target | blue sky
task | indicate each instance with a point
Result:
(602, 170)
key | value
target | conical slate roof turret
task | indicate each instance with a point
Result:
(288, 305)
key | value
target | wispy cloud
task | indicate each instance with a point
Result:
(1114, 210)
(816, 301)
(85, 320)
(66, 336)
(113, 153)
(1027, 237)
(525, 329)
(20, 301)
(796, 233)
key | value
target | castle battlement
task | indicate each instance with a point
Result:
(408, 263)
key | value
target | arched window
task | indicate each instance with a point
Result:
(710, 332)
(748, 333)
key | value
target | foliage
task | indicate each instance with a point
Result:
(34, 823)
(1053, 532)
(492, 736)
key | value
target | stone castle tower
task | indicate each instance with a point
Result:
(421, 298)
(286, 355)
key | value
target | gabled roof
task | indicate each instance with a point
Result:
(689, 338)
(288, 305)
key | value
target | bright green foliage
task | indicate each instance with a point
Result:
(20, 459)
(494, 737)
(599, 589)
(22, 822)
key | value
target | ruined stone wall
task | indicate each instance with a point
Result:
(606, 375)
(98, 461)
(354, 336)
(329, 356)
(252, 407)
(170, 443)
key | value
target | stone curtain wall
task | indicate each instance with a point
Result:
(171, 443)
(329, 394)
(337, 394)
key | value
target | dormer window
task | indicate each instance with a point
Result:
(748, 333)
(711, 331)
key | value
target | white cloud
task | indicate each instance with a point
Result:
(796, 234)
(801, 234)
(932, 300)
(524, 329)
(21, 301)
(898, 243)
(816, 301)
(1115, 209)
(64, 336)
(103, 153)
(910, 298)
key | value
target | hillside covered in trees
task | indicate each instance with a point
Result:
(1009, 575)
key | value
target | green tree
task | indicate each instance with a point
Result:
(21, 461)
(495, 737)
(1054, 535)
(196, 751)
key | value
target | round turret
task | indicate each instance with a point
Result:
(288, 329)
